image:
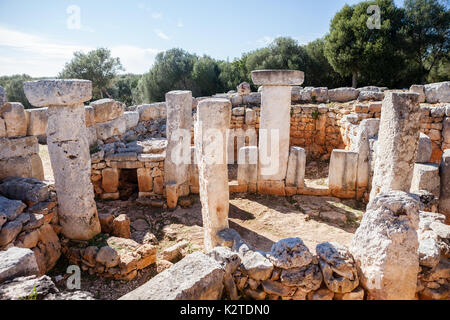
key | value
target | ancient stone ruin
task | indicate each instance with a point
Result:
(387, 150)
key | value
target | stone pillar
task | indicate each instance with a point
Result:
(342, 173)
(178, 154)
(275, 120)
(398, 140)
(444, 200)
(426, 177)
(69, 152)
(248, 168)
(295, 176)
(213, 121)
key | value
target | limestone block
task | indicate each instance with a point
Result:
(59, 92)
(444, 199)
(17, 262)
(385, 247)
(320, 94)
(250, 117)
(145, 180)
(37, 121)
(236, 99)
(253, 99)
(343, 94)
(278, 77)
(370, 95)
(426, 177)
(274, 132)
(424, 149)
(92, 136)
(295, 175)
(290, 253)
(248, 165)
(420, 89)
(106, 130)
(107, 109)
(10, 209)
(29, 166)
(18, 147)
(296, 93)
(239, 111)
(307, 278)
(110, 180)
(270, 187)
(397, 143)
(343, 173)
(446, 130)
(2, 128)
(131, 119)
(196, 277)
(152, 111)
(256, 266)
(438, 92)
(25, 189)
(14, 115)
(178, 132)
(338, 267)
(244, 89)
(213, 121)
(90, 116)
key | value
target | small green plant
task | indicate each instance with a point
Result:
(94, 149)
(32, 296)
(315, 114)
(314, 99)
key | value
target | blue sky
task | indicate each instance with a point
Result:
(38, 37)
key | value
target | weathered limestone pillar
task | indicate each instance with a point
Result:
(248, 168)
(295, 176)
(213, 121)
(69, 152)
(342, 173)
(444, 200)
(398, 140)
(178, 156)
(275, 120)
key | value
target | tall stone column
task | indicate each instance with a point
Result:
(210, 133)
(275, 120)
(444, 200)
(178, 154)
(69, 152)
(398, 140)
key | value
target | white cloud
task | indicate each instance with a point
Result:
(157, 15)
(40, 56)
(161, 34)
(264, 41)
(180, 24)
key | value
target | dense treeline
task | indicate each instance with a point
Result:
(407, 45)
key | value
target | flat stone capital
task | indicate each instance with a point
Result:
(278, 77)
(61, 92)
(177, 93)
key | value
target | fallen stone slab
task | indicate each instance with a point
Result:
(17, 262)
(25, 189)
(196, 277)
(11, 208)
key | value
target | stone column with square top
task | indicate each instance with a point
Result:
(69, 152)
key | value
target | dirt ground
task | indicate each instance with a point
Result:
(260, 220)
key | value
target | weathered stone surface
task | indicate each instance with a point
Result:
(358, 294)
(321, 294)
(17, 262)
(438, 92)
(9, 232)
(48, 253)
(121, 226)
(426, 177)
(444, 199)
(295, 175)
(274, 132)
(307, 278)
(37, 121)
(290, 253)
(370, 95)
(2, 96)
(43, 93)
(107, 109)
(116, 127)
(178, 132)
(2, 128)
(425, 149)
(228, 259)
(248, 165)
(416, 88)
(13, 113)
(196, 277)
(25, 189)
(338, 267)
(278, 77)
(342, 173)
(250, 117)
(244, 89)
(69, 153)
(131, 119)
(108, 257)
(385, 247)
(10, 148)
(110, 180)
(256, 265)
(253, 99)
(276, 288)
(397, 143)
(23, 167)
(175, 252)
(213, 120)
(11, 209)
(152, 111)
(343, 94)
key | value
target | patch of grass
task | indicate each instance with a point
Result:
(32, 296)
(315, 114)
(98, 241)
